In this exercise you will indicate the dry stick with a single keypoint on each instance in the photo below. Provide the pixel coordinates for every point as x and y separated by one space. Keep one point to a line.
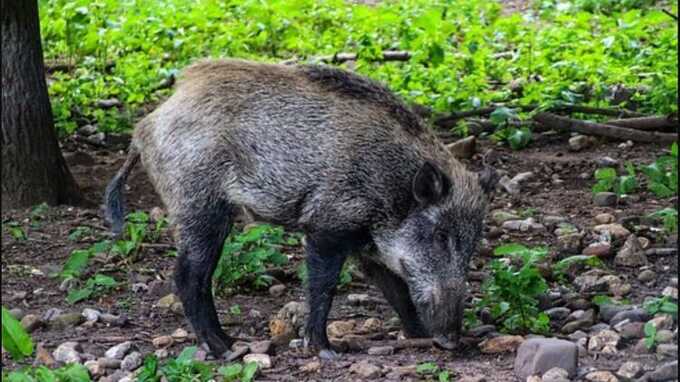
338 58
591 128
646 123
674 17
661 252
450 120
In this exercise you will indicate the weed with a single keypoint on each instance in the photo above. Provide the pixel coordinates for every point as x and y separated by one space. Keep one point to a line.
14 338
669 217
15 230
662 175
511 293
431 369
661 305
94 286
608 180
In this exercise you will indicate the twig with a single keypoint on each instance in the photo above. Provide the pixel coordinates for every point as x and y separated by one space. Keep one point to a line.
674 17
591 128
340 57
63 66
661 252
157 245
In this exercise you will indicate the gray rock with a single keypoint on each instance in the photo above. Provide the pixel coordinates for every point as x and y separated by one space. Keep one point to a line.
131 361
508 185
556 374
94 368
67 352
604 218
671 292
463 148
646 276
662 321
614 230
366 370
631 254
108 103
263 360
605 199
609 311
277 290
591 281
599 327
87 130
109 363
630 370
570 242
601 376
527 225
166 302
580 142
119 351
499 216
606 161
50 314
664 336
17 313
667 350
633 315
261 347
91 314
631 330
381 350
663 373
522 177
538 355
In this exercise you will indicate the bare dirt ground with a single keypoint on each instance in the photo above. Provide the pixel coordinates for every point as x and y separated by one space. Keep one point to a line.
560 186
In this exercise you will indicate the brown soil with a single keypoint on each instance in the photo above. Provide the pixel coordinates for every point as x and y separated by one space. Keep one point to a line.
27 264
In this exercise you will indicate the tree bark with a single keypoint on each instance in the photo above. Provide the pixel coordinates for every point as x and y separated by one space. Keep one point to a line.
33 169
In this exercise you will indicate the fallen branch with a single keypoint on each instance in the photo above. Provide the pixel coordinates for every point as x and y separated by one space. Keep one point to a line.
339 58
646 123
551 120
363 344
661 252
65 66
89 141
674 17
450 120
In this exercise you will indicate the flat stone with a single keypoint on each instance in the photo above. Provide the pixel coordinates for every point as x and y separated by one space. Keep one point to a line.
609 310
119 351
667 350
481 330
277 290
167 301
109 363
605 342
381 350
371 325
463 148
631 330
91 314
570 243
601 376
646 276
501 344
633 315
499 216
94 368
366 370
671 292
538 355
599 249
261 347
339 329
664 336
162 341
630 370
615 230
67 352
43 357
311 367
558 313
631 254
507 185
556 374
662 321
263 360
666 372
605 199
180 334
604 218
580 142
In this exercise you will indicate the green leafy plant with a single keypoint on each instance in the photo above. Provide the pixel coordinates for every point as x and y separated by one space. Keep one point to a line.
650 335
662 175
246 255
79 232
238 372
661 305
511 293
561 266
69 373
16 231
78 260
608 180
137 231
94 286
669 217
14 338
430 369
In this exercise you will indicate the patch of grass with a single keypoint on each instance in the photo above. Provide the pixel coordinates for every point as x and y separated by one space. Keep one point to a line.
465 54
609 180
94 286
15 230
511 293
669 217
70 373
430 370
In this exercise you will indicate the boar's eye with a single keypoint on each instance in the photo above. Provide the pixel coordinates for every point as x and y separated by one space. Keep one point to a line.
441 238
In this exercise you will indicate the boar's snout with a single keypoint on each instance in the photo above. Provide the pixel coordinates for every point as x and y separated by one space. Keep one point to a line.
448 303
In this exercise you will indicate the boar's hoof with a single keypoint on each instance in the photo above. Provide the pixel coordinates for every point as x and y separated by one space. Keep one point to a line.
329 355
443 342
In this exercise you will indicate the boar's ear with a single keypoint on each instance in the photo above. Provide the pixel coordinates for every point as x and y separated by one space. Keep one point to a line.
430 184
488 179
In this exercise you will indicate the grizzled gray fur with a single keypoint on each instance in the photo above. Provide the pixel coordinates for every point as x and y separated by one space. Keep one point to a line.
320 150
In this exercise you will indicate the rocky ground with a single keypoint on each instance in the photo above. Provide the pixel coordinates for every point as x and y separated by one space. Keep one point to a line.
545 199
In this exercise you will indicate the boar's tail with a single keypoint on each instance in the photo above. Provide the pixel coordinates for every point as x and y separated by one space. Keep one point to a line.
113 198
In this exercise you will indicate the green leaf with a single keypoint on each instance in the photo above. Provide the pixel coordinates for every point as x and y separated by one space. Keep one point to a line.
509 249
249 371
502 115
427 368
79 294
14 338
444 376
605 173
187 355
76 263
519 138
230 372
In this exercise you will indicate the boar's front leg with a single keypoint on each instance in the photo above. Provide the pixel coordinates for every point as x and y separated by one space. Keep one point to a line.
202 231
325 255
396 292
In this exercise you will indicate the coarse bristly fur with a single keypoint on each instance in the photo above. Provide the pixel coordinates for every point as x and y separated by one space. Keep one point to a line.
321 150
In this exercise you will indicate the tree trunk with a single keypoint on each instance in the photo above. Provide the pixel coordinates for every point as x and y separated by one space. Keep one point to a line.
33 169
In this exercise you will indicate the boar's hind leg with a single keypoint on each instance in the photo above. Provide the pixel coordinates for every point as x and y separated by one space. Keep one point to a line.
202 232
396 292
325 255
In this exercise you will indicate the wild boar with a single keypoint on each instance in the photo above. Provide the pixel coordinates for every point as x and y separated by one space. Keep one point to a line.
320 150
